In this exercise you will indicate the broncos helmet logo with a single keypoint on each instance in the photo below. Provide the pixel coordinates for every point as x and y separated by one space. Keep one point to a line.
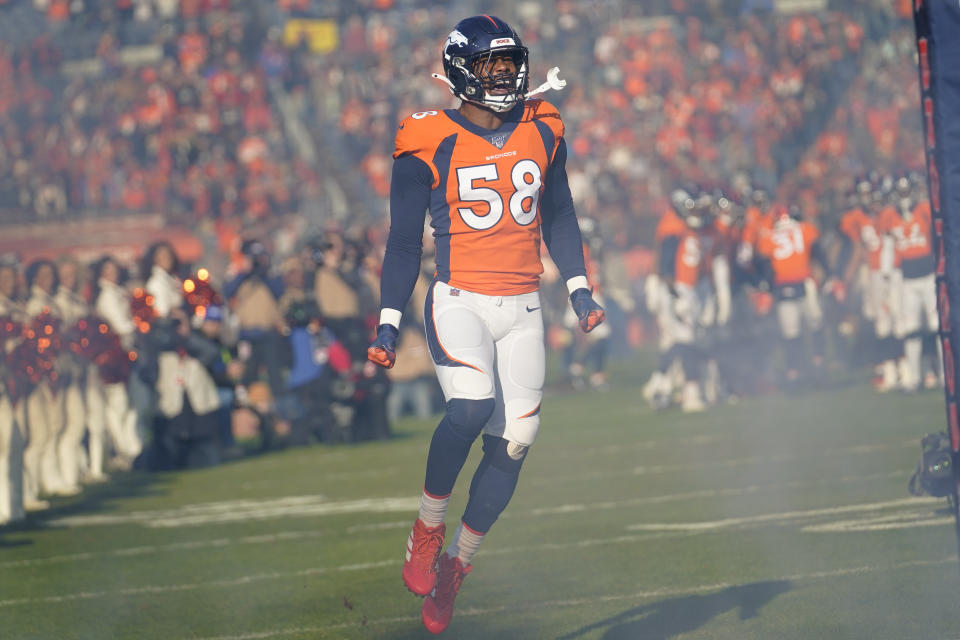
456 38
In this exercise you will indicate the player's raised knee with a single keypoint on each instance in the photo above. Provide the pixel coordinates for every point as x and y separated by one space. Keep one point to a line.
468 417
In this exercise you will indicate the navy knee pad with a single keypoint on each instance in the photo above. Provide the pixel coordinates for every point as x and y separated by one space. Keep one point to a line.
466 418
494 482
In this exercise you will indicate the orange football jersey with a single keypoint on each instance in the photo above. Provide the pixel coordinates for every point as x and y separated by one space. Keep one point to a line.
756 225
911 240
788 245
485 197
689 260
670 224
867 231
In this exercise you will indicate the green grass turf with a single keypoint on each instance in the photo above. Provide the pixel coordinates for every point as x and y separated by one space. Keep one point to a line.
590 546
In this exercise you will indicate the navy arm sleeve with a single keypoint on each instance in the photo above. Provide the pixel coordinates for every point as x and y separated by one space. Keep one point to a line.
844 255
668 257
410 187
818 254
561 233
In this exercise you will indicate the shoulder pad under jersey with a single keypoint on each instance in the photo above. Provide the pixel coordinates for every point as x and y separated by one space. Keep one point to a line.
543 111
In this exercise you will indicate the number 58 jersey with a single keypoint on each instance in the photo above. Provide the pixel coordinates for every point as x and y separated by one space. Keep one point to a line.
486 193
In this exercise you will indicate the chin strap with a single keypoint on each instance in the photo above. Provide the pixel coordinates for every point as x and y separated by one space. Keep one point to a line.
445 79
553 82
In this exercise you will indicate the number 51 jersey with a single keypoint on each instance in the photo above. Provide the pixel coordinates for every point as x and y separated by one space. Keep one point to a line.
486 193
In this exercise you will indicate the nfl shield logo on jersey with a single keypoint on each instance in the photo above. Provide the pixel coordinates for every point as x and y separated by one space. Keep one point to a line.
498 141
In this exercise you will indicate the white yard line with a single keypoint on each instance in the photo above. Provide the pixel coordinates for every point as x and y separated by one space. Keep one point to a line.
146 550
278 575
232 511
668 592
782 517
730 463
906 520
242 511
191 586
708 493
310 506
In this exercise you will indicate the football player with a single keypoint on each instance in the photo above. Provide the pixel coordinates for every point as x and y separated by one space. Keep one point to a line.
910 228
662 296
881 296
492 174
788 249
681 265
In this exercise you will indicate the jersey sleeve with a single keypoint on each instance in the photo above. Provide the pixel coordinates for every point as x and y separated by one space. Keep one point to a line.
417 137
560 229
849 225
409 198
669 224
888 220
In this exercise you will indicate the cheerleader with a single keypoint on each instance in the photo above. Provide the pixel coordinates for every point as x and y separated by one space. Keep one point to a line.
12 428
45 415
73 307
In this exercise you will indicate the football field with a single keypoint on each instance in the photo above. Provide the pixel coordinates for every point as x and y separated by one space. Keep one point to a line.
778 517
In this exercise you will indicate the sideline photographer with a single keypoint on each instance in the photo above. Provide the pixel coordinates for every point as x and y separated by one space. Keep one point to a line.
178 359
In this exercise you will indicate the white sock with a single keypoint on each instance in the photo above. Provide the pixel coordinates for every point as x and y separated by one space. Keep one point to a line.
433 510
464 544
913 353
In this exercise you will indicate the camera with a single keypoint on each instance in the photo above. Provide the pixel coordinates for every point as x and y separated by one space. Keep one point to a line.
934 473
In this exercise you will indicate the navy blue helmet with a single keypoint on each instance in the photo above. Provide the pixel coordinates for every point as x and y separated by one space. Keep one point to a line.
470 48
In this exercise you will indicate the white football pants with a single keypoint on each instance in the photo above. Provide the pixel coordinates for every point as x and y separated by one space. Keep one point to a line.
490 347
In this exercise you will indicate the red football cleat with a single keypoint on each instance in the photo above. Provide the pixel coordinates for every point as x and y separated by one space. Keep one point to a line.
423 547
437 609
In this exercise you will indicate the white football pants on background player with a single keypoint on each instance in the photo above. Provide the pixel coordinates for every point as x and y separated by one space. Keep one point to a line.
795 314
917 314
490 347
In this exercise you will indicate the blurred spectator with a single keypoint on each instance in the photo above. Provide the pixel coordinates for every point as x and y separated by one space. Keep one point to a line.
186 430
412 379
108 402
253 296
160 267
44 405
73 307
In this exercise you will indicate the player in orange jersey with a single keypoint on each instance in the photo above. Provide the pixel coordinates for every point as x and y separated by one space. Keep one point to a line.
658 390
884 283
870 264
916 310
683 266
788 250
492 174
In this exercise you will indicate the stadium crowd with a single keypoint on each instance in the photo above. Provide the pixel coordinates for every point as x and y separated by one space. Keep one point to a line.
148 365
705 138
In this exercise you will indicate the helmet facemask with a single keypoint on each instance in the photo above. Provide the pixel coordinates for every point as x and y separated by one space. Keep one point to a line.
496 91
